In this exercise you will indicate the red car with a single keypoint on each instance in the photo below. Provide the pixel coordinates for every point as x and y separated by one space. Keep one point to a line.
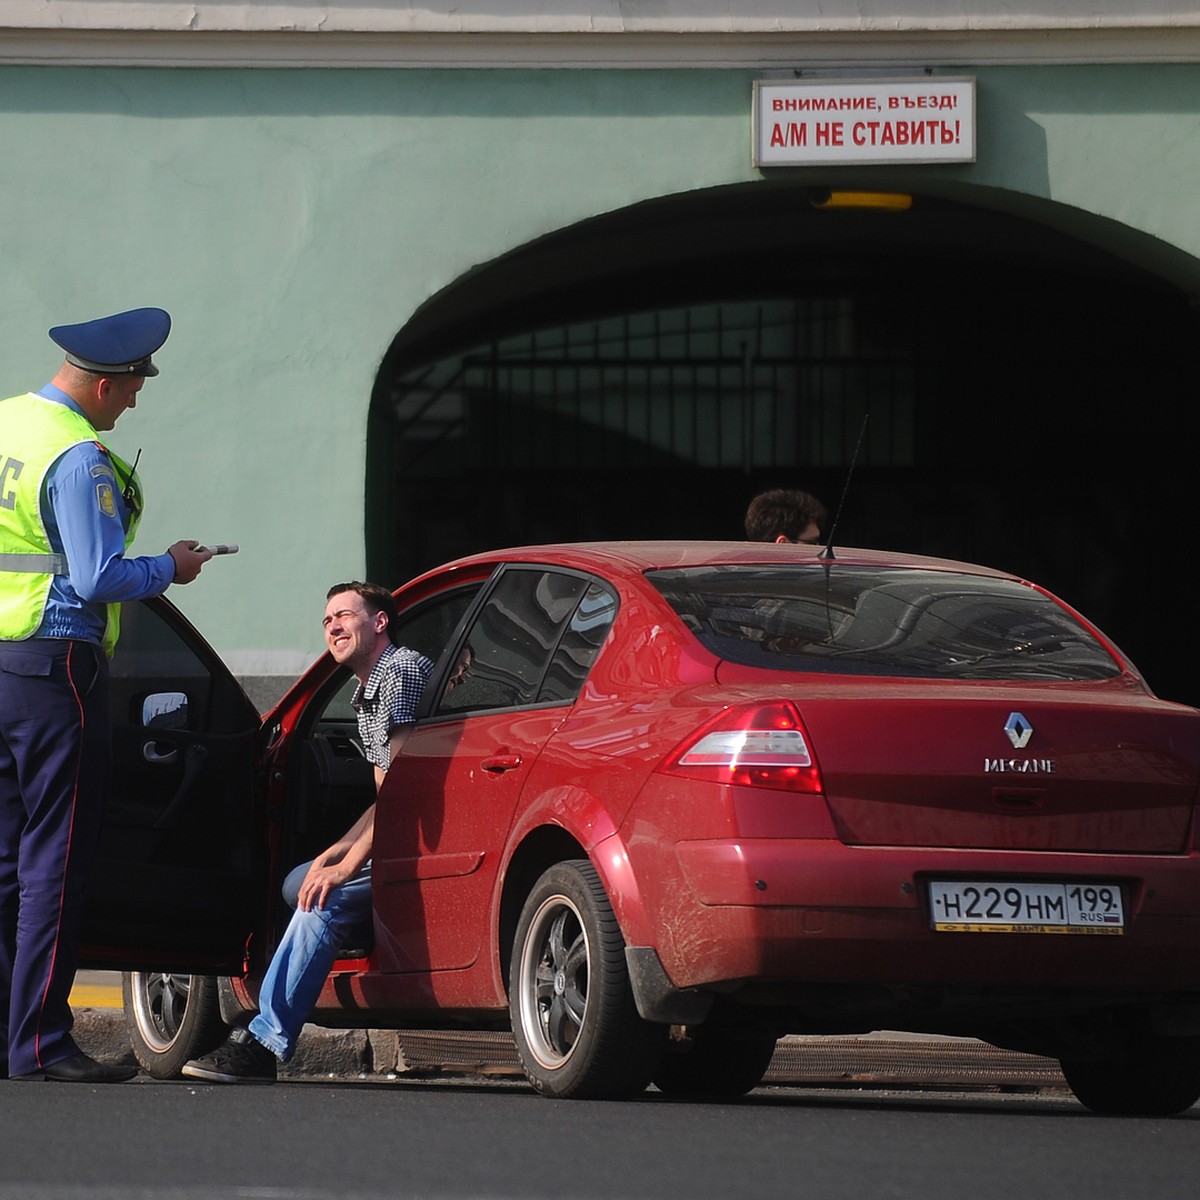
689 798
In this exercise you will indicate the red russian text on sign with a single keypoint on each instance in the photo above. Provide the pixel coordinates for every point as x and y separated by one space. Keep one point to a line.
815 122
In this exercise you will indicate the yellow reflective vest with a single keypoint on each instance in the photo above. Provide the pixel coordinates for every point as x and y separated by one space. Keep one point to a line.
34 433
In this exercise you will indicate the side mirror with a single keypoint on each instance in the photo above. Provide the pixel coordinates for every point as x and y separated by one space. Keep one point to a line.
165 710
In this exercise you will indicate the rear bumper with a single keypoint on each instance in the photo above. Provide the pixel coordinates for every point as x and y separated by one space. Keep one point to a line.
817 911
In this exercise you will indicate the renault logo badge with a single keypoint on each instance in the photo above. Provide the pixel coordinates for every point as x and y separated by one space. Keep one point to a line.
1019 730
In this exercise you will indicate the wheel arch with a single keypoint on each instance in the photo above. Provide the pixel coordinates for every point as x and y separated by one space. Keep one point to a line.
537 852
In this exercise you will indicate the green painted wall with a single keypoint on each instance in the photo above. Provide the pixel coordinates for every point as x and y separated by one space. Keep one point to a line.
292 221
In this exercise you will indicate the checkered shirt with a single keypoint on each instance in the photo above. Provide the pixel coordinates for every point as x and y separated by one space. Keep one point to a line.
389 698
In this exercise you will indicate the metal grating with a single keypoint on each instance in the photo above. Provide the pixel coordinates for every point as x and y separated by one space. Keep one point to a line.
749 386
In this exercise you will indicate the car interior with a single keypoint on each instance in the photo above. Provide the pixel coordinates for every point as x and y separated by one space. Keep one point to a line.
333 782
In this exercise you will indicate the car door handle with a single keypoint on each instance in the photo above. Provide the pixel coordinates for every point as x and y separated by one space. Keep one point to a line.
501 762
152 754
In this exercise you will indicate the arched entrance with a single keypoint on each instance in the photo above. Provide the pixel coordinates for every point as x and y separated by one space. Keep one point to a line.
1026 396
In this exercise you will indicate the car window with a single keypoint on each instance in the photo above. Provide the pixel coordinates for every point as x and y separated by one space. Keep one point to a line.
884 621
579 644
338 708
159 676
533 641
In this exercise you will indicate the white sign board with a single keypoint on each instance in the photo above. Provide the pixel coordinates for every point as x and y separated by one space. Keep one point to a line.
818 122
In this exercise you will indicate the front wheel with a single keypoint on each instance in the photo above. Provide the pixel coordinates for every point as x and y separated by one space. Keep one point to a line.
171 1019
1152 1076
577 1029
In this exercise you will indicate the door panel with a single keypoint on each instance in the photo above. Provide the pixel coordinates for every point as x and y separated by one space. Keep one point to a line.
175 881
444 814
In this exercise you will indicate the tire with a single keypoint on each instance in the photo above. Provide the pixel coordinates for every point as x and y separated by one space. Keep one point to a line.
715 1063
576 1027
1153 1077
171 1019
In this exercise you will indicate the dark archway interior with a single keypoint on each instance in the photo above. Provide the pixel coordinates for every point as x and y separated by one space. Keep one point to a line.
1029 397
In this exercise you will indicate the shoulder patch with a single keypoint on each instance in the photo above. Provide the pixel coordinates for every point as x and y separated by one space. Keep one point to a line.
104 499
102 471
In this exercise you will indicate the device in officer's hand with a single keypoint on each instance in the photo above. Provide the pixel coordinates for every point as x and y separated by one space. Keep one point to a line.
231 548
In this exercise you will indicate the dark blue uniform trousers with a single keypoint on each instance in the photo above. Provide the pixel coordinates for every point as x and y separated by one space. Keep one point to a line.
55 764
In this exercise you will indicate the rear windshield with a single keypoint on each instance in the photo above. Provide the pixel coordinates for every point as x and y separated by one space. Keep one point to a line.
857 620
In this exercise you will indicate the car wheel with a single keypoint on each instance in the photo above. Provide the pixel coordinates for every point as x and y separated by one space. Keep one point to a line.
714 1062
577 1029
171 1018
1154 1077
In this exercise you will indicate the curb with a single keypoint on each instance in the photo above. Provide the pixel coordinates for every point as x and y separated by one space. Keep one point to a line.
892 1061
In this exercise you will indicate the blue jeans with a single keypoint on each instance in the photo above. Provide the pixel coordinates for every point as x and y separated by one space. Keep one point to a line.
304 957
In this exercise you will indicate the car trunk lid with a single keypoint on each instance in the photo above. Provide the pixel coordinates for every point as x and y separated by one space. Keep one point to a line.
1088 768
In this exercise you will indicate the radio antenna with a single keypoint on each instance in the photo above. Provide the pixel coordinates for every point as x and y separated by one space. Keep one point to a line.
827 551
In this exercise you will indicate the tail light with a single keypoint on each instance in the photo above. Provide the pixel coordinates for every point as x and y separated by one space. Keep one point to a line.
761 745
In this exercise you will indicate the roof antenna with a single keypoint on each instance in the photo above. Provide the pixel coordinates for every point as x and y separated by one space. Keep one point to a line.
827 551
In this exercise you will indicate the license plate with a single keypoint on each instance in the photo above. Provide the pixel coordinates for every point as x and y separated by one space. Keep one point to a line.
998 907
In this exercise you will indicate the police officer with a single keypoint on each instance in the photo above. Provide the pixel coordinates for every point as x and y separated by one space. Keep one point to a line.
68 511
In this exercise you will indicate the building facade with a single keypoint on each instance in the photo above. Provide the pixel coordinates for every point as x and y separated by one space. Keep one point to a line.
448 278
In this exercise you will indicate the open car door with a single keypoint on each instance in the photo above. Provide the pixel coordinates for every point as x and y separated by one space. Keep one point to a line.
177 880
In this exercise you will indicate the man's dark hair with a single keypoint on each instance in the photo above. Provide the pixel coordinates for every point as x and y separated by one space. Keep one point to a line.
375 599
782 511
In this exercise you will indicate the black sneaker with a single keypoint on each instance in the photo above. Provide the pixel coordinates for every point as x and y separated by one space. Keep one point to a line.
242 1059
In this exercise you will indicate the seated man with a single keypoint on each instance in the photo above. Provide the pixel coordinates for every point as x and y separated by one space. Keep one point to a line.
331 894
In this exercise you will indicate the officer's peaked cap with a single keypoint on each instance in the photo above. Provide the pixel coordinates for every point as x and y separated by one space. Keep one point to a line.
117 345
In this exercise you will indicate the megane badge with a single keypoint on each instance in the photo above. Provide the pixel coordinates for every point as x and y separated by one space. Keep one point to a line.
1019 730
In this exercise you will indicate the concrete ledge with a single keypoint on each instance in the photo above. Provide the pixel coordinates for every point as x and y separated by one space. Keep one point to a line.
875 1061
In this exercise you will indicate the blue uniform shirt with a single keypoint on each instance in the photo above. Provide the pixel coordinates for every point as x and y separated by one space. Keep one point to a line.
94 544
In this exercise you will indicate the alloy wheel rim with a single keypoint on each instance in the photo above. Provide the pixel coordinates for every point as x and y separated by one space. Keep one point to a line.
554 973
160 1002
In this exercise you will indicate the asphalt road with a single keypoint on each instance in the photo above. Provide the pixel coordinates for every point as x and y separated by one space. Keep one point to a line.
458 1141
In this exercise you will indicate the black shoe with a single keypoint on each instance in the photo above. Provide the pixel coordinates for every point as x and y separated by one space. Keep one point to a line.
242 1059
79 1068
